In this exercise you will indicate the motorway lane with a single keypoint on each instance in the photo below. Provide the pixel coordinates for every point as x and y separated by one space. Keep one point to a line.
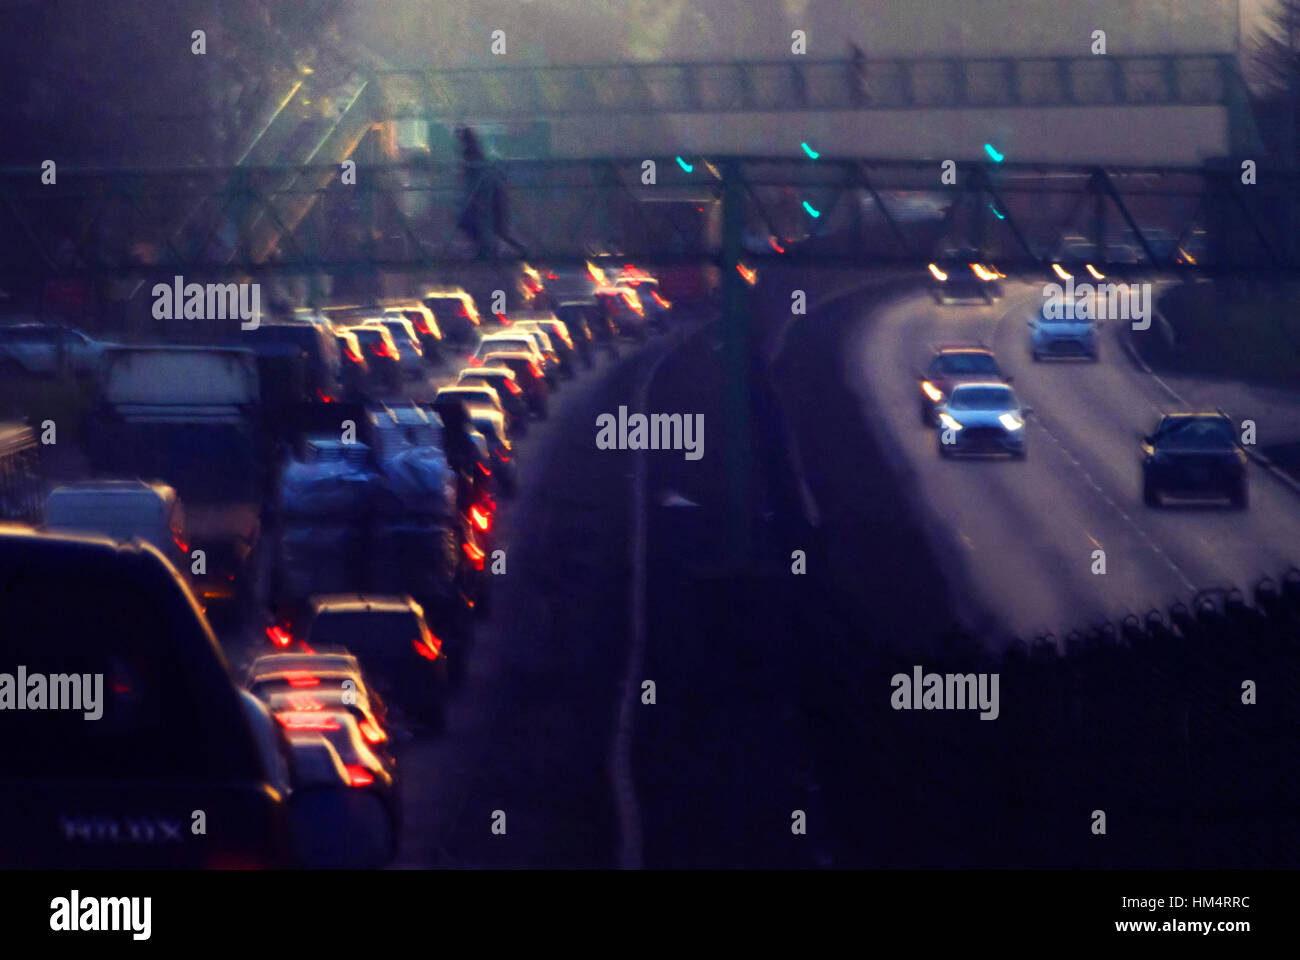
1017 537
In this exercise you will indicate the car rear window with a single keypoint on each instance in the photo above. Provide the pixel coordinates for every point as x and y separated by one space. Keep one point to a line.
165 706
978 363
372 634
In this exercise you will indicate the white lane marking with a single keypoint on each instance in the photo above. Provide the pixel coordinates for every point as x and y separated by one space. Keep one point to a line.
631 835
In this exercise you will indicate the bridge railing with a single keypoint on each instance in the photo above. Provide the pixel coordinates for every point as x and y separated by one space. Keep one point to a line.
799 83
411 216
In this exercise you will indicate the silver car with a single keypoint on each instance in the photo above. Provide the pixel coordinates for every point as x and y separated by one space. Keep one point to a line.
1061 337
982 418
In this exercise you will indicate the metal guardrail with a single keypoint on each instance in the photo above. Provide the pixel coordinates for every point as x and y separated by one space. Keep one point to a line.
800 84
832 211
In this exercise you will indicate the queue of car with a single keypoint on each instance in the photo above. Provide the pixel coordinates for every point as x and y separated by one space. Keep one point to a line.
366 573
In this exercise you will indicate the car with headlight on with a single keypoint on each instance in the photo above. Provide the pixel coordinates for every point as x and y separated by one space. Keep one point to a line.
1064 337
951 364
958 274
1194 456
983 417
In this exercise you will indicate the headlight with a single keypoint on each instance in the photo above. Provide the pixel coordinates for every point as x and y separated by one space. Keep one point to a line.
949 422
931 391
1010 421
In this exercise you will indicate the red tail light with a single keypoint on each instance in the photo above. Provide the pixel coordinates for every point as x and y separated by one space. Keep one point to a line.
371 732
660 300
359 776
514 387
293 720
474 361
422 325
184 547
353 355
424 650
325 397
381 350
486 471
534 369
302 678
279 636
505 321
481 520
475 555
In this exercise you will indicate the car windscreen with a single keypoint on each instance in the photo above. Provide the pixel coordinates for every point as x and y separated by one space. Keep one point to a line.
370 634
982 398
964 363
1203 434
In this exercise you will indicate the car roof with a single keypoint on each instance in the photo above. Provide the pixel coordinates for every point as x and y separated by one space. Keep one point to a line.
1194 415
361 603
972 385
157 488
942 348
486 371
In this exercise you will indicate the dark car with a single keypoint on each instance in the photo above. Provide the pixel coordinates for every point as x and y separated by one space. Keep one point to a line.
169 735
455 312
388 635
324 359
356 369
506 383
427 331
1194 455
528 375
382 355
949 366
581 317
561 339
957 275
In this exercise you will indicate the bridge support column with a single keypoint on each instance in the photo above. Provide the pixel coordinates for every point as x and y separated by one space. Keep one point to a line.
736 357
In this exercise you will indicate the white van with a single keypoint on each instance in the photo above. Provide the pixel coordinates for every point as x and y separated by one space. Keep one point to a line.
122 510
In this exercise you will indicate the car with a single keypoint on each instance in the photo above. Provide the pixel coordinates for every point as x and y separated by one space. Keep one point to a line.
382 354
492 425
508 341
356 374
471 395
37 349
658 309
389 636
122 510
558 356
171 732
957 274
560 284
982 417
323 374
455 312
505 382
315 762
424 325
410 353
624 310
561 338
950 365
367 713
1194 455
1061 337
581 318
528 375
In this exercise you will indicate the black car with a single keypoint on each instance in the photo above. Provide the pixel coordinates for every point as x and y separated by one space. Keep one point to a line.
1194 455
506 383
388 635
580 317
527 375
323 376
154 731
